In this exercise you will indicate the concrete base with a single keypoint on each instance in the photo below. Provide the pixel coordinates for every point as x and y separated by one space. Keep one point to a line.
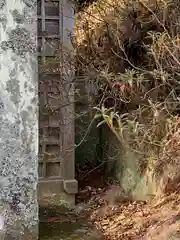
49 186
2 234
51 192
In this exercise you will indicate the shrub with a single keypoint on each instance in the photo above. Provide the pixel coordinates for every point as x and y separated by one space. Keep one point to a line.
131 50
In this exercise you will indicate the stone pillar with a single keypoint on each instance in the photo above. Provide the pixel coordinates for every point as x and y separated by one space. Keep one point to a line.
18 120
68 112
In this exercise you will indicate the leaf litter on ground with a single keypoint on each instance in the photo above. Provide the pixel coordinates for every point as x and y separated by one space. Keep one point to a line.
118 218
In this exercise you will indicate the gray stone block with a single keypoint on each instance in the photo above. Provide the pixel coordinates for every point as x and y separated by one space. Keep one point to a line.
71 186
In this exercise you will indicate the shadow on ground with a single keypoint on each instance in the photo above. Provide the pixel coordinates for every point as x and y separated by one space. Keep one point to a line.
64 224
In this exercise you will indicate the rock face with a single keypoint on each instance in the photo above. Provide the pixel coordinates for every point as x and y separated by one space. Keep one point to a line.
19 119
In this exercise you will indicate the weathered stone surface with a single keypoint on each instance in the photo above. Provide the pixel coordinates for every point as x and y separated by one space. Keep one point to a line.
71 186
19 119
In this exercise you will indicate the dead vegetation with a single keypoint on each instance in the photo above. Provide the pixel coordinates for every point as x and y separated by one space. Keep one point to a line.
117 217
138 220
131 49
